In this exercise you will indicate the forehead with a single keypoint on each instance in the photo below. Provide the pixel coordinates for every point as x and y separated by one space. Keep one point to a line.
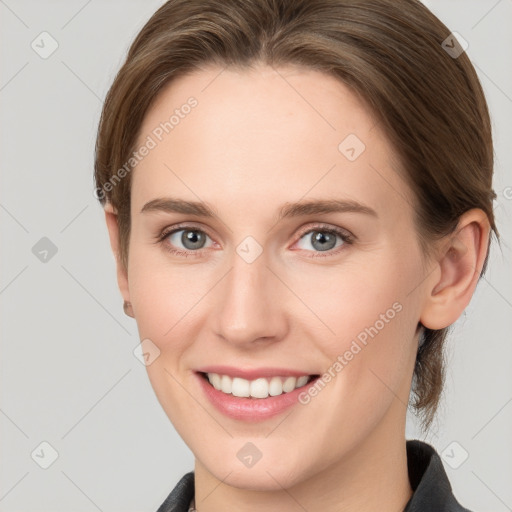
263 136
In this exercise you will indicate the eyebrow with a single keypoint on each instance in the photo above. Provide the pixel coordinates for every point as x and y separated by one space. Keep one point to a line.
288 210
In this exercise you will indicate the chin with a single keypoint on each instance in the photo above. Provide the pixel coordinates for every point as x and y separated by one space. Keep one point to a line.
272 474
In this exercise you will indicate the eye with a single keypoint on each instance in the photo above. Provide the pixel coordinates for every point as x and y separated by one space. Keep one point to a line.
184 240
323 239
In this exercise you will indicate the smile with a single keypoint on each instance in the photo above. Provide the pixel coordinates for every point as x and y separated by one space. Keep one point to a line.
253 394
258 388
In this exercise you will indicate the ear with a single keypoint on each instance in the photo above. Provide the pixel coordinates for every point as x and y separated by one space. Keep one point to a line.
113 233
459 265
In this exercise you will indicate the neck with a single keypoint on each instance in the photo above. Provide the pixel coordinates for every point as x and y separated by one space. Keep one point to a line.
372 476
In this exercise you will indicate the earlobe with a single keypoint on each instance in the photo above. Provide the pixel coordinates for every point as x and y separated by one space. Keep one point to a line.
113 233
459 265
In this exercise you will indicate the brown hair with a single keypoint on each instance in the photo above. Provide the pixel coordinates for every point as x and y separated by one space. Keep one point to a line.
389 52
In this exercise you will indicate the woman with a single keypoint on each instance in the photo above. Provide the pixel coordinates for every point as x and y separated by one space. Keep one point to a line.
299 197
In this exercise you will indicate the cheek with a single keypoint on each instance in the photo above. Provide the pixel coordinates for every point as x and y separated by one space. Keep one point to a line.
371 318
163 297
354 299
163 294
370 353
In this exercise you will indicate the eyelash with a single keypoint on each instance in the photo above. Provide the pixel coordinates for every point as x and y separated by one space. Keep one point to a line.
345 236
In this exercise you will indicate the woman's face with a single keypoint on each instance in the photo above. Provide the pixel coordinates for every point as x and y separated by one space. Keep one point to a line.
250 289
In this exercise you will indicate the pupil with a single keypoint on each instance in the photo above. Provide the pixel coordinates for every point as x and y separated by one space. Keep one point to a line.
192 239
327 240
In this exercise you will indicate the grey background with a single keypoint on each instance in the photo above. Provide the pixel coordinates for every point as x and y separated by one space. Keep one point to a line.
68 373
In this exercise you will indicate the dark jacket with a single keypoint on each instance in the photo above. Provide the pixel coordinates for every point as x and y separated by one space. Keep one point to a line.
432 491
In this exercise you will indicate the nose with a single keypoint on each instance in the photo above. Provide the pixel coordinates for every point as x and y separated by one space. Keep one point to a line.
250 305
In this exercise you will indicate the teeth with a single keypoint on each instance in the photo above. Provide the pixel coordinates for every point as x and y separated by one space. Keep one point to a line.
226 384
241 387
259 388
289 384
302 381
215 380
276 386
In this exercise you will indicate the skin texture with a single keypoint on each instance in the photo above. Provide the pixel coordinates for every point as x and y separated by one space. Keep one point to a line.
258 139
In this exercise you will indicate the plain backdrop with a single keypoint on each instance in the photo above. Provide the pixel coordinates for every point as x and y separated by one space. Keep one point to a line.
69 378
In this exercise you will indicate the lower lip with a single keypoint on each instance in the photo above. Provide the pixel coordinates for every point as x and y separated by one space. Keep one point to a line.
251 409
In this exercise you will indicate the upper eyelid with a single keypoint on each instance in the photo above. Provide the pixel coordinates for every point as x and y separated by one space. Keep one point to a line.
173 229
325 227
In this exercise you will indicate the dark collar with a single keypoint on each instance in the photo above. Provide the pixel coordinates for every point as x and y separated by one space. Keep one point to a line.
429 482
431 489
181 496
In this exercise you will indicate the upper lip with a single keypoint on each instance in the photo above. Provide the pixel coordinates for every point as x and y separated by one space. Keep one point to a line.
253 373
